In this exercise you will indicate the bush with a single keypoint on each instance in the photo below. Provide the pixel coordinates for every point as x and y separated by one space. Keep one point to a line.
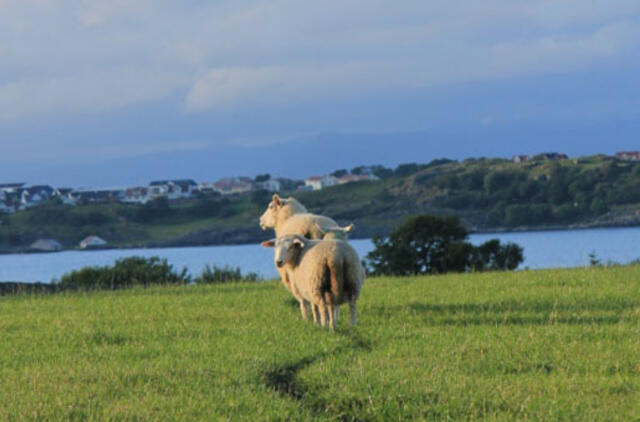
225 274
126 272
429 245
491 255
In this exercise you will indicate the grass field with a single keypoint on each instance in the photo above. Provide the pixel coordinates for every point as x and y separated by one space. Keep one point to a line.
537 345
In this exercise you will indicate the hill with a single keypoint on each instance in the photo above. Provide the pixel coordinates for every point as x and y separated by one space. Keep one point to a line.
487 194
537 345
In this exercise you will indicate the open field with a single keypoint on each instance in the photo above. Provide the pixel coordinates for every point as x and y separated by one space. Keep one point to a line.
537 345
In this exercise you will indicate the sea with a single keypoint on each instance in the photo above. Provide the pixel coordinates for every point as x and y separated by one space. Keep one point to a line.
542 249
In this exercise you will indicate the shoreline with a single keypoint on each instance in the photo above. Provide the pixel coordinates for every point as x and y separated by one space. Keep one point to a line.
187 244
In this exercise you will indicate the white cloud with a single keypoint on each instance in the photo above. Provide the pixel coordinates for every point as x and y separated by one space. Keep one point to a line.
78 56
277 85
85 92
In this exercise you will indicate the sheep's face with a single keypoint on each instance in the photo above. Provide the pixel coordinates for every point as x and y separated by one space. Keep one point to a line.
286 249
279 206
269 217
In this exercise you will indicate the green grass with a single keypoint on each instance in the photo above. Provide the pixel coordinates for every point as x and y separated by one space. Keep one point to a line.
536 345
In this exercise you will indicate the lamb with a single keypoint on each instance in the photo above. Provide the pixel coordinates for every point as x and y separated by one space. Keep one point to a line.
327 273
287 216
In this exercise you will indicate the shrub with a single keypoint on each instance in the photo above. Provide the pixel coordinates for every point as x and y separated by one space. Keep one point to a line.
126 272
225 274
491 255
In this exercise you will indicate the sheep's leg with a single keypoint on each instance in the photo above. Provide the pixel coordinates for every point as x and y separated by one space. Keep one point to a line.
332 314
303 309
352 308
308 308
323 313
316 314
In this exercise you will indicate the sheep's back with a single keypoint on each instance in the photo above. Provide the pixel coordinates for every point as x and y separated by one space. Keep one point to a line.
324 259
307 225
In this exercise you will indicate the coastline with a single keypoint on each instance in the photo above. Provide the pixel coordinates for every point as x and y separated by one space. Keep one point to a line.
247 237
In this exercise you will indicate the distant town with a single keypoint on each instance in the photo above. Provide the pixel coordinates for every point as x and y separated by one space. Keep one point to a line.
16 197
532 205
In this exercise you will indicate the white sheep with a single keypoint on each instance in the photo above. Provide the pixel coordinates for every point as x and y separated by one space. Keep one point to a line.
287 216
326 273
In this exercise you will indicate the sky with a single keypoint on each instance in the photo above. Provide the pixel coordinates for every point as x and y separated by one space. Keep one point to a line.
117 92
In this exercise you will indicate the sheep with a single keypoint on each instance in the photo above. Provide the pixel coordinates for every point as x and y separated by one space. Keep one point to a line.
327 273
287 216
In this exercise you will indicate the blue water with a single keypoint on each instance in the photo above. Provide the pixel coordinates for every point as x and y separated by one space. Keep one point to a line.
549 249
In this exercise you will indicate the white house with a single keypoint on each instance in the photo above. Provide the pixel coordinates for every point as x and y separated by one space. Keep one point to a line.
10 187
35 195
349 178
173 189
136 195
628 155
66 196
233 185
93 242
272 185
320 182
520 158
46 245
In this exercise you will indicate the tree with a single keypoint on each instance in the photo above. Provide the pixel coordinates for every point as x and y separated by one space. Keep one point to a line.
418 246
262 177
428 244
496 181
339 173
598 206
407 169
491 255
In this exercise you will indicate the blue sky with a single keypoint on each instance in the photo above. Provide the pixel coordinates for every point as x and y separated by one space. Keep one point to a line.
116 92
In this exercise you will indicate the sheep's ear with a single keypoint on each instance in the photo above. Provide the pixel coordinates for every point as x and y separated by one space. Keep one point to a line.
298 242
269 243
276 199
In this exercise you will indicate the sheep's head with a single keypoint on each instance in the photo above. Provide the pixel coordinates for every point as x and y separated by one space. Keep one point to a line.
279 207
286 249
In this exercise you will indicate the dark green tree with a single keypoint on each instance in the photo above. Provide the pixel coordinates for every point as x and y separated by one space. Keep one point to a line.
418 246
491 255
340 173
428 244
407 169
262 177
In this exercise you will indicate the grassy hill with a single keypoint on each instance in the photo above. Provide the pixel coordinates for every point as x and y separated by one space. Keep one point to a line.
487 194
536 345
